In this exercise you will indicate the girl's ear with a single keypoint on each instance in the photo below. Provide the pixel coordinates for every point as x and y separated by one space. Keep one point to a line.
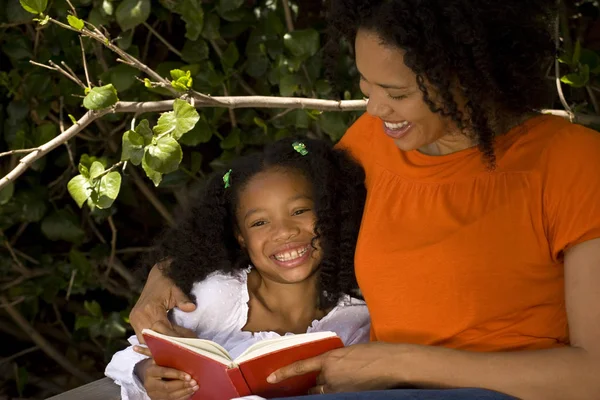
240 238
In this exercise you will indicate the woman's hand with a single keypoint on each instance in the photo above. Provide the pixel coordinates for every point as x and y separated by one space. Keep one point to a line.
163 383
350 369
159 296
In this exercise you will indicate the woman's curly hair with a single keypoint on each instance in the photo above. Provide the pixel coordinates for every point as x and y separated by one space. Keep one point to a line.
494 53
204 241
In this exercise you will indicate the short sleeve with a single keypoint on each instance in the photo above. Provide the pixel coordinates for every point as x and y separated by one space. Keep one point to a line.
221 306
357 140
121 369
571 188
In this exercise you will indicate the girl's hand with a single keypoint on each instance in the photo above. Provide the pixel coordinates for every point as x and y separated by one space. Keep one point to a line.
350 369
164 383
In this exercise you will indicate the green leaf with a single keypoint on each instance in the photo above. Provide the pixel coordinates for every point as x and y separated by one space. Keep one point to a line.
230 56
96 169
156 177
289 85
100 97
6 193
108 190
72 118
133 147
578 79
212 24
333 124
177 122
122 77
229 5
80 189
84 322
131 13
97 18
576 53
107 7
201 133
192 14
164 156
62 225
75 22
93 308
44 133
22 378
196 162
34 6
302 43
182 80
194 51
232 140
261 123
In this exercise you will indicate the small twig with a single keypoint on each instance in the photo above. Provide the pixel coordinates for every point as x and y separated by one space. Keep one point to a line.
135 250
237 76
42 343
18 265
561 95
16 237
113 245
149 194
95 229
100 57
60 320
593 99
13 303
71 281
18 151
85 68
55 67
26 256
19 354
163 40
231 111
73 10
288 15
111 169
281 114
13 24
23 278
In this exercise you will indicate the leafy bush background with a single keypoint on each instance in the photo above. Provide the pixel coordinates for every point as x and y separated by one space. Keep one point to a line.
68 271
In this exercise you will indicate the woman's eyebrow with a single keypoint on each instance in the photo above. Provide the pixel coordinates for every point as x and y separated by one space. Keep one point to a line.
384 85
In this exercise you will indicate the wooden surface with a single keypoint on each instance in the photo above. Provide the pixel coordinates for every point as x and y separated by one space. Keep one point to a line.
103 389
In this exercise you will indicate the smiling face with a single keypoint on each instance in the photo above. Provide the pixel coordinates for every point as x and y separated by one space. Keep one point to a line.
395 98
276 221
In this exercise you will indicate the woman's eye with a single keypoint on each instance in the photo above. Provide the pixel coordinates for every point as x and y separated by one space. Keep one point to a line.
401 97
258 223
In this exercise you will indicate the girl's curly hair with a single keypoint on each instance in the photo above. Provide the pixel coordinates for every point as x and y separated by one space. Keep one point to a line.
203 241
494 53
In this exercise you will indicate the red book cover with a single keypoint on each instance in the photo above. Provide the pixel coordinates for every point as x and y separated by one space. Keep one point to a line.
226 379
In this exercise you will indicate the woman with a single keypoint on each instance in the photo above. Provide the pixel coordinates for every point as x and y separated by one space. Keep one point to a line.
479 250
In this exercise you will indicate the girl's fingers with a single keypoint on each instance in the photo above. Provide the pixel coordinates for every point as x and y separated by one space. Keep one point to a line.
142 350
183 394
156 371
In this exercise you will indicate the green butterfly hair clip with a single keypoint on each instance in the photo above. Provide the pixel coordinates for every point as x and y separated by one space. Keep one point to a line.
226 179
300 148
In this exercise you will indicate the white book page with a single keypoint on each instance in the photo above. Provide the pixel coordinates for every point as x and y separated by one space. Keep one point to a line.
272 345
207 348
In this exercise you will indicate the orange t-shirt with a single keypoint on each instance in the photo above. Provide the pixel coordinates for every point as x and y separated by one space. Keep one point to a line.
455 255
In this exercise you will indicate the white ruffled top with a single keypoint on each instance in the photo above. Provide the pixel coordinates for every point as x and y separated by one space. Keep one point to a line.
220 315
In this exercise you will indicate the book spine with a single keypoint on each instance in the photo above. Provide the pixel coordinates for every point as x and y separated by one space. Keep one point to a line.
237 379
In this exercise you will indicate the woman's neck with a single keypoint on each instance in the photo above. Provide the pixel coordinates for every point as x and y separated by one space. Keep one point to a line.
282 307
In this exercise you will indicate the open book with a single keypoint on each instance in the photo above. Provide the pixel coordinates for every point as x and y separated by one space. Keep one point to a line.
221 378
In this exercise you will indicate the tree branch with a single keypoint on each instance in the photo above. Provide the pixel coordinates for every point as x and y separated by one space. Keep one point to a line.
42 343
163 40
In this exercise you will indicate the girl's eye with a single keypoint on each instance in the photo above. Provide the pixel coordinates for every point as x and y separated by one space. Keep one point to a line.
258 223
298 212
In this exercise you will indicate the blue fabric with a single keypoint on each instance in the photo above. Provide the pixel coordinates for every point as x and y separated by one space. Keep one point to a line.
411 394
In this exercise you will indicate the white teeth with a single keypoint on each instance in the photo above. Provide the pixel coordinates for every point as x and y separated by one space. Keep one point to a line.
392 126
290 255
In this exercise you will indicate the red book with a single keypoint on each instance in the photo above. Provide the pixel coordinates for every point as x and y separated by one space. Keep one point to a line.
221 378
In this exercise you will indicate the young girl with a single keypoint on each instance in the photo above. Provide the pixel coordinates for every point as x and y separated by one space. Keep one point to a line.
267 250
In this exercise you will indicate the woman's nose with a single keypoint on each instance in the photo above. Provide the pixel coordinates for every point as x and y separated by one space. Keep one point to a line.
378 108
